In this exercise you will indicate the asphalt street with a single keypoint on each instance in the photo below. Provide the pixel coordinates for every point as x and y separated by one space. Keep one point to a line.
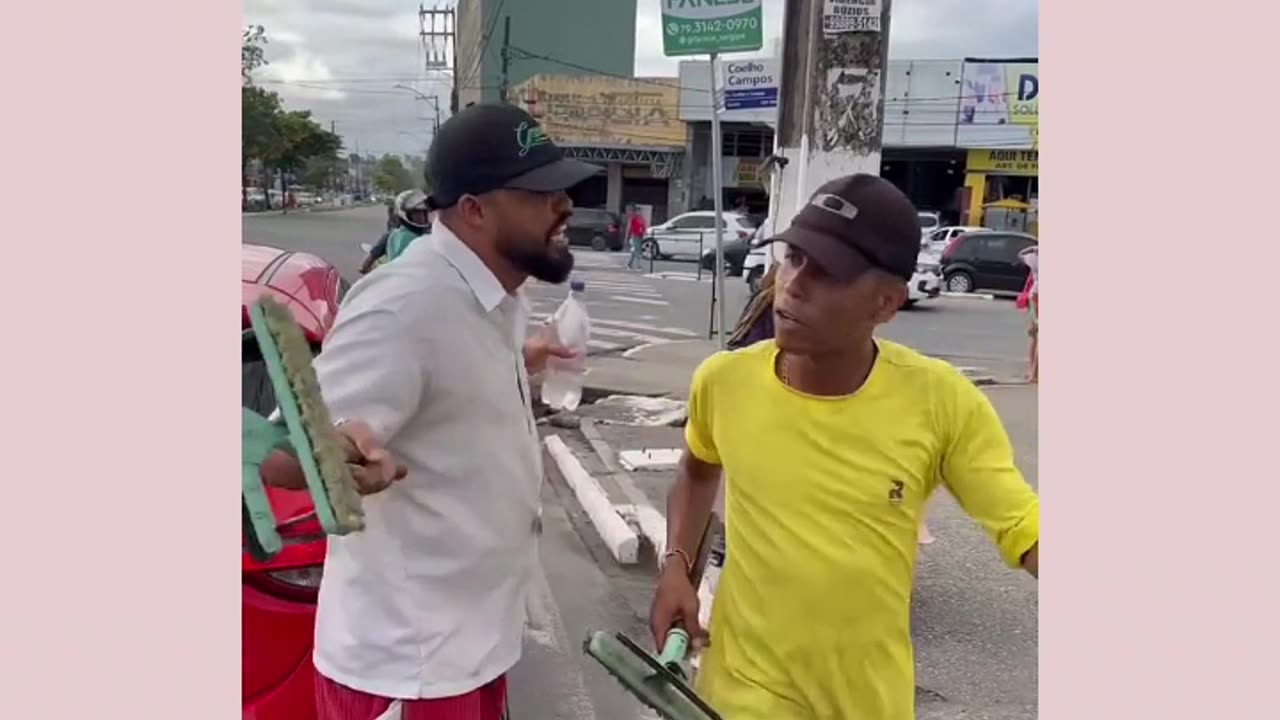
630 308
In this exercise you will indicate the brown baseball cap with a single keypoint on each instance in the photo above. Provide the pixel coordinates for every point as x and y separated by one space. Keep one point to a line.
855 222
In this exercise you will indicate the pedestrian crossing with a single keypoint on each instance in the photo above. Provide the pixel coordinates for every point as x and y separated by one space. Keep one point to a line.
625 307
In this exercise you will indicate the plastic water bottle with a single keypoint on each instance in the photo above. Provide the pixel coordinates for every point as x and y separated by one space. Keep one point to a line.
562 380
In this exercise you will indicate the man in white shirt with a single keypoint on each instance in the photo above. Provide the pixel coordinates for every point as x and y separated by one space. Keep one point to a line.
421 615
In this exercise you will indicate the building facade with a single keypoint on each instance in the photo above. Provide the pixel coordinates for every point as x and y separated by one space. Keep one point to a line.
747 124
630 127
958 134
596 37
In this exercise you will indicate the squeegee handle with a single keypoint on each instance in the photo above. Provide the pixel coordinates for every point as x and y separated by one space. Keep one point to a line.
675 648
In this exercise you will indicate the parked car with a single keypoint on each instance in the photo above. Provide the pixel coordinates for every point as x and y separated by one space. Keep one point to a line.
986 261
595 227
735 254
278 597
926 283
938 240
929 221
690 234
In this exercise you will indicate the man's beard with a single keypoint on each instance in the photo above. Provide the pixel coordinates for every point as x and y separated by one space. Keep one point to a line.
546 260
551 265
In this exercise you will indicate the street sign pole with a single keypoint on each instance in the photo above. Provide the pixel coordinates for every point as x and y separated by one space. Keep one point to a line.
713 28
717 188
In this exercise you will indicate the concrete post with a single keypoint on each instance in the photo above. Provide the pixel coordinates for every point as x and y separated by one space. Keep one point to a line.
831 113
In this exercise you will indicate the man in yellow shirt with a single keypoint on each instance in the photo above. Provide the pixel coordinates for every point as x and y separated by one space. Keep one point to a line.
831 441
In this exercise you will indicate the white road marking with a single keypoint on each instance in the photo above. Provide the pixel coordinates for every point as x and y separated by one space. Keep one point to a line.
645 301
640 337
643 326
604 345
680 275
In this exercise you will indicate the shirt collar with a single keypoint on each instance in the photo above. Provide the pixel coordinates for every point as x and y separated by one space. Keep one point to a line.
483 283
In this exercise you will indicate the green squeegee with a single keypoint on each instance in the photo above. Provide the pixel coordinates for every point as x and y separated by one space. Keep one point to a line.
661 681
307 433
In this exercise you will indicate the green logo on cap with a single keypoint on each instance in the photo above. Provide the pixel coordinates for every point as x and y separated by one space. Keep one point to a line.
529 137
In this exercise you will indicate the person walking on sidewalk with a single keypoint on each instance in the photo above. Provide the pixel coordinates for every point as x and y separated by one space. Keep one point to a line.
635 237
421 615
1029 300
831 441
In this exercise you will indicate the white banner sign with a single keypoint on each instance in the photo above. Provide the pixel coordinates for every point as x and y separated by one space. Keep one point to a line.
842 16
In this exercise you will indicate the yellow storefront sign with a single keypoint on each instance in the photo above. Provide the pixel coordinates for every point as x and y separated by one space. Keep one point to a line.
1022 82
747 174
1004 162
604 111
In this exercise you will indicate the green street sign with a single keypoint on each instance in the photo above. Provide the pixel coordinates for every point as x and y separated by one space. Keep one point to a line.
703 27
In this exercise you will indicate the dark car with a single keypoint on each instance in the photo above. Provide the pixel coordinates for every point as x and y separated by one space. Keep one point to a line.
595 227
735 253
985 261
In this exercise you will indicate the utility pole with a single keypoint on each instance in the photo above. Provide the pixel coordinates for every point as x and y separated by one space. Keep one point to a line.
437 28
835 57
506 59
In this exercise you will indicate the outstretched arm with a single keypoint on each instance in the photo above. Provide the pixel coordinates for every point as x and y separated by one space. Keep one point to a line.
373 468
979 469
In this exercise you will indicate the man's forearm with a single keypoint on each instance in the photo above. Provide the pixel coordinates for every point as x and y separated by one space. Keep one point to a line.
689 504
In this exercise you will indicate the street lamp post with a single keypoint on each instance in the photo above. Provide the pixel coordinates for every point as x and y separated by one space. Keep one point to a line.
433 100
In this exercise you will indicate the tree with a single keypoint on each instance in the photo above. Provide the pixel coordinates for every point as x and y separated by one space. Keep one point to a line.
252 42
258 137
417 168
283 141
320 172
301 138
390 176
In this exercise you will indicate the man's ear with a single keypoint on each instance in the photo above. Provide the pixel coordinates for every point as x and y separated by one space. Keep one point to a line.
470 210
890 296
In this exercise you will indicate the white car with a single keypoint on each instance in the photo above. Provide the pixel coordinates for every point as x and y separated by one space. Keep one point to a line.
690 234
926 283
929 221
938 240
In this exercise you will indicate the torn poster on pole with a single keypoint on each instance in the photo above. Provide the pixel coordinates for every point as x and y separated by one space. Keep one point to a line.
842 16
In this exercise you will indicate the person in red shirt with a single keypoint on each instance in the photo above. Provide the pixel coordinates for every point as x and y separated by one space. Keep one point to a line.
635 236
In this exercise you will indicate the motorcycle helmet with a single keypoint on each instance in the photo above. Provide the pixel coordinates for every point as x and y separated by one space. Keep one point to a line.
412 211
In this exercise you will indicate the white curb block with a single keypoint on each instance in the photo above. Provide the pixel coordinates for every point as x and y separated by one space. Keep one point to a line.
652 525
622 541
969 296
646 459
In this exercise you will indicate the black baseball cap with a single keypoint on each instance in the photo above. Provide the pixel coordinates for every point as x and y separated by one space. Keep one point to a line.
854 222
492 146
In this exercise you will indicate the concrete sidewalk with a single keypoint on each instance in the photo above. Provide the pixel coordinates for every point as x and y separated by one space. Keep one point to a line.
665 369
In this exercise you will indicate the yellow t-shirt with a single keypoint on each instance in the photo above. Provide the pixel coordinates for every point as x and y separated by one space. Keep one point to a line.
823 498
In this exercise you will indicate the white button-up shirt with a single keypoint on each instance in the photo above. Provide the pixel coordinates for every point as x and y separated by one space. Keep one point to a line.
429 600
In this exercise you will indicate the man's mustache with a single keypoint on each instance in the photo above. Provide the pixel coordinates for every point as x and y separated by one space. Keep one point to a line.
560 220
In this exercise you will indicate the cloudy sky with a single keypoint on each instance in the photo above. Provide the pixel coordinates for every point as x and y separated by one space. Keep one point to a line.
343 58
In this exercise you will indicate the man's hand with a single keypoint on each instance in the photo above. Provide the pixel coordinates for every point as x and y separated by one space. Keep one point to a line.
1031 561
675 604
542 346
372 467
